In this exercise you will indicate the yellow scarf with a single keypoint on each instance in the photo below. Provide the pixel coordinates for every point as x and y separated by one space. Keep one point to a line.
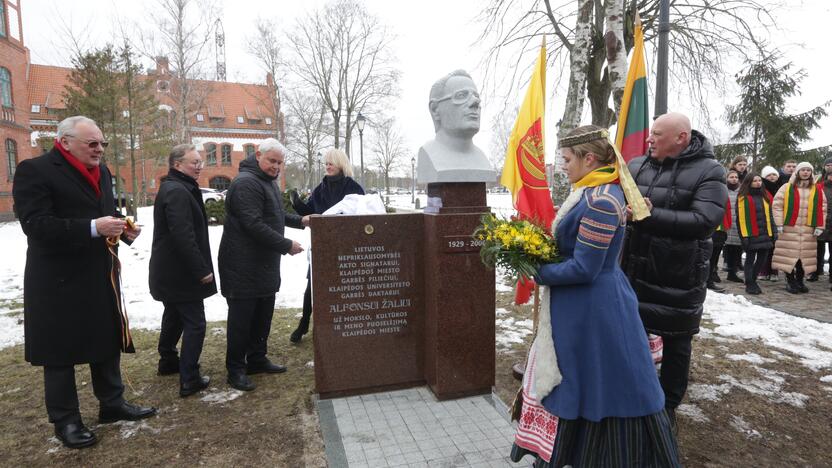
602 175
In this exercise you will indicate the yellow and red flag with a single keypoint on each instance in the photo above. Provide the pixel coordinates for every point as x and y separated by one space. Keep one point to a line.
524 172
633 120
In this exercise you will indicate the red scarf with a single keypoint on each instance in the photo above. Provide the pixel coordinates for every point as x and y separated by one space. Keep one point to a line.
93 176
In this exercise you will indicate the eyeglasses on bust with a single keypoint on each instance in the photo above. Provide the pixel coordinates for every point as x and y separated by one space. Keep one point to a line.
460 96
91 143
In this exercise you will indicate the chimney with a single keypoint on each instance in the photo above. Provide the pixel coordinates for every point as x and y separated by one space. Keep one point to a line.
270 80
162 67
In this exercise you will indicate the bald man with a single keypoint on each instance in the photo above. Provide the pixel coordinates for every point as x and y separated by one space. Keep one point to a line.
667 255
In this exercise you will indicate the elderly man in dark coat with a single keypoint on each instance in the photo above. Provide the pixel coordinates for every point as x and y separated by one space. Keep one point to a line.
249 261
71 309
667 255
181 270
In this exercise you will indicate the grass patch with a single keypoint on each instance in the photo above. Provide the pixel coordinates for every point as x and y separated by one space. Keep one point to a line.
275 425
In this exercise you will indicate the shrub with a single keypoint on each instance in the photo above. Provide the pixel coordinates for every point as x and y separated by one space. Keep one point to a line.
216 212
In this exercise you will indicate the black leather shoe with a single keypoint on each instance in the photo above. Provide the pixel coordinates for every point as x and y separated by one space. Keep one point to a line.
753 288
168 367
125 412
190 388
734 278
266 367
713 287
75 435
296 336
812 277
241 382
802 287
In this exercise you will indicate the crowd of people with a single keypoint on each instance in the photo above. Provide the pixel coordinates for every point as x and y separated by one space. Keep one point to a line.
73 309
780 220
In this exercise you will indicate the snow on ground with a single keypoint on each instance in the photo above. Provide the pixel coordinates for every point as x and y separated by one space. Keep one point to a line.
218 397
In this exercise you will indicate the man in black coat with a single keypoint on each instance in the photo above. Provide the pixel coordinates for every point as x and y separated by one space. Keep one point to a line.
249 261
71 310
181 270
667 255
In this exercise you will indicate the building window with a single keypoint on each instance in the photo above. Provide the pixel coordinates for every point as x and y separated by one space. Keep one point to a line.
5 87
240 119
219 183
11 154
226 155
200 118
36 108
268 120
249 149
2 19
210 154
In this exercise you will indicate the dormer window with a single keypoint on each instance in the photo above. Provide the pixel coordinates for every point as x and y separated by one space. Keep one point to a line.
36 108
240 119
268 120
200 118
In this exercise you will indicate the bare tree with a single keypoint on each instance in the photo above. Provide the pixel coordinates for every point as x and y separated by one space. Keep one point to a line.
703 34
501 126
389 148
343 52
183 34
265 45
306 133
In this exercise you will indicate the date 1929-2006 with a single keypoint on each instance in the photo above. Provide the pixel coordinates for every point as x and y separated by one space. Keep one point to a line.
461 244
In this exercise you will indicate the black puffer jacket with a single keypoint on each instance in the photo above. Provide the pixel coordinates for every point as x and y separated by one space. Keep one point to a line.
667 255
327 194
762 241
252 238
181 253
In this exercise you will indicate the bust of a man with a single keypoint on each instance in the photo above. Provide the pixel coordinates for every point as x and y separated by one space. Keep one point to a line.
451 156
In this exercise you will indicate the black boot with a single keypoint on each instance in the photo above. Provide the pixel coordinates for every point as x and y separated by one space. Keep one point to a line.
752 288
302 329
791 284
732 276
801 286
812 277
713 287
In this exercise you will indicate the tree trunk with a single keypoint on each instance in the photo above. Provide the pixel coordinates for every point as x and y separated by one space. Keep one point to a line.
578 62
616 52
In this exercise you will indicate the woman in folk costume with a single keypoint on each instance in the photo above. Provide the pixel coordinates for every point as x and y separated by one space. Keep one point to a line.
771 182
590 364
733 246
719 237
825 239
756 227
799 210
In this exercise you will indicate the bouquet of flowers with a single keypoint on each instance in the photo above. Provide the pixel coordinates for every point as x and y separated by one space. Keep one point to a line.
519 246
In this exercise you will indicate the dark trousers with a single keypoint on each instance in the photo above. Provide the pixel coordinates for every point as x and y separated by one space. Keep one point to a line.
185 319
733 258
62 394
719 242
675 368
249 324
754 262
303 325
822 253
767 270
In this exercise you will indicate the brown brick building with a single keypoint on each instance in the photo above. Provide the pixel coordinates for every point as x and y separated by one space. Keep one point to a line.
233 120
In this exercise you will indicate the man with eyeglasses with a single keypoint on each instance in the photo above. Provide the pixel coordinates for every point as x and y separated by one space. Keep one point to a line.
71 310
181 269
451 156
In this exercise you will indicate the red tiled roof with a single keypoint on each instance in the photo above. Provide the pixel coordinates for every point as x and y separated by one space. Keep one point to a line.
224 100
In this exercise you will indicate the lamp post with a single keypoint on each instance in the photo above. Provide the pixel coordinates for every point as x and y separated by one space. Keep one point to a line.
413 181
305 176
320 174
661 60
360 120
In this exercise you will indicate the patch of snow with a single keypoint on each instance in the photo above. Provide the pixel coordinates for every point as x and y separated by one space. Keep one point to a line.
826 378
750 357
56 445
501 311
693 412
218 331
310 364
130 428
772 388
511 331
743 427
708 356
707 392
219 397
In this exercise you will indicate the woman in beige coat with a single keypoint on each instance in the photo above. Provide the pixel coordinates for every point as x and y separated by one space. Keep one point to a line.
796 247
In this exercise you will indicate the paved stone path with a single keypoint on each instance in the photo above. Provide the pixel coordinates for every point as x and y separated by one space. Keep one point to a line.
816 304
410 428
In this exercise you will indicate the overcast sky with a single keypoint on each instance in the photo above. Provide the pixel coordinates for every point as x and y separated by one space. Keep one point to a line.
433 37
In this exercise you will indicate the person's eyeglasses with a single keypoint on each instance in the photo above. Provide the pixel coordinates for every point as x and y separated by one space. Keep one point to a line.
461 96
91 143
197 163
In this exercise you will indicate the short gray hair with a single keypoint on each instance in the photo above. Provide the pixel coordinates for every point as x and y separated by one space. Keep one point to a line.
68 124
270 144
178 153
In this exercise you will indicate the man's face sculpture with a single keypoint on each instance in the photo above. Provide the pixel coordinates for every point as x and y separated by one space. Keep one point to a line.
459 108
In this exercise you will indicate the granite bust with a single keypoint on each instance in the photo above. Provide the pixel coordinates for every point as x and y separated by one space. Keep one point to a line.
451 155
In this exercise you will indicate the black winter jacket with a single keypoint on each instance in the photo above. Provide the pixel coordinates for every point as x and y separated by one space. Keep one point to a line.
827 193
666 257
252 238
181 253
327 194
762 241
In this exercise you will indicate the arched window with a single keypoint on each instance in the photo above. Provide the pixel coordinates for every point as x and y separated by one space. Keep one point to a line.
226 155
11 154
249 149
210 154
219 183
5 87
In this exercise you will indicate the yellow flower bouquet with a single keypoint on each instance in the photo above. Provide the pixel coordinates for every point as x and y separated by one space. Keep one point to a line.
519 246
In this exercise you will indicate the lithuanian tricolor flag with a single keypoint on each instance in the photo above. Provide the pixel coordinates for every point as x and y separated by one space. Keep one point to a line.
633 120
524 172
